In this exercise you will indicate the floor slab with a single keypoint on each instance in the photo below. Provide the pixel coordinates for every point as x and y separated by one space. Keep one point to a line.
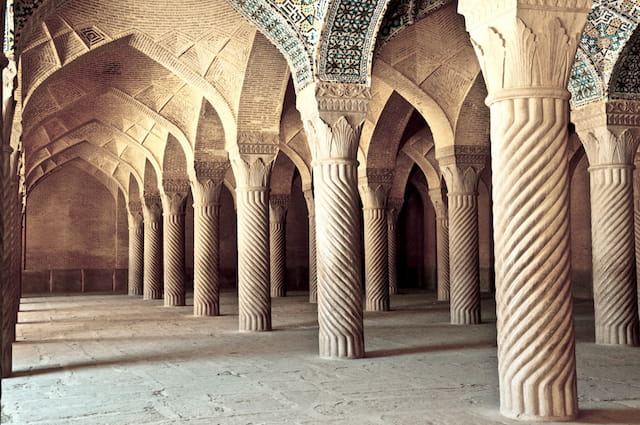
119 360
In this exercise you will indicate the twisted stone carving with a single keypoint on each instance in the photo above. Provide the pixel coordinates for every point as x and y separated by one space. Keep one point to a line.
462 181
206 222
614 280
173 203
442 242
152 210
526 55
394 205
376 256
136 248
313 271
254 297
10 217
277 214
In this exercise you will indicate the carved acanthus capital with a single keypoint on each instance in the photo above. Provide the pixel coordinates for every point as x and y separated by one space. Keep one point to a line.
374 195
439 203
394 206
525 43
135 214
606 147
278 207
251 172
461 165
332 114
152 208
206 191
462 179
174 202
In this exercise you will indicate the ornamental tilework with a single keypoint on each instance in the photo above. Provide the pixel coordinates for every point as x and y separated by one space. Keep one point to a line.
626 78
609 26
346 44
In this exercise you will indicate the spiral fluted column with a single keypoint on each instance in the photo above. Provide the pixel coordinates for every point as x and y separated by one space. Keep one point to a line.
206 191
152 211
610 157
252 198
313 271
332 115
136 248
394 205
526 55
461 174
277 215
173 206
376 255
442 242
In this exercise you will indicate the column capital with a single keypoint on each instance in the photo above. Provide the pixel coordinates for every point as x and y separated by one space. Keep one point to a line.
135 214
174 194
525 43
461 166
607 147
278 205
374 195
152 207
332 114
206 191
439 203
394 206
252 171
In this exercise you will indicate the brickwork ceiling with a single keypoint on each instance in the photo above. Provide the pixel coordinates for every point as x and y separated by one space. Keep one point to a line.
127 78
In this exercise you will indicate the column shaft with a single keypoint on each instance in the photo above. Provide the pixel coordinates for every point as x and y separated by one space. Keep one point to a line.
313 271
136 257
442 245
254 300
614 280
536 342
339 252
376 259
392 249
464 265
206 274
152 289
174 273
278 258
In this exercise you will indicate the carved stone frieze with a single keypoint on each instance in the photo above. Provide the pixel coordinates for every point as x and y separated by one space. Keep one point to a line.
380 175
211 169
474 155
175 185
342 97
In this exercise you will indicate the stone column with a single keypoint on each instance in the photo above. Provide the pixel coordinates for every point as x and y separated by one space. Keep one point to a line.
442 242
461 166
152 213
206 189
173 206
394 206
526 52
313 271
277 214
332 114
252 197
636 220
136 248
376 255
610 151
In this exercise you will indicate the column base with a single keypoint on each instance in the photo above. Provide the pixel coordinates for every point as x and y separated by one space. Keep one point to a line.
623 335
205 310
377 305
135 292
254 324
278 292
341 348
153 295
174 301
533 418
393 291
465 318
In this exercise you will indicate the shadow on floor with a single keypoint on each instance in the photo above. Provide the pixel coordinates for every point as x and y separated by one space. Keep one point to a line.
428 349
609 416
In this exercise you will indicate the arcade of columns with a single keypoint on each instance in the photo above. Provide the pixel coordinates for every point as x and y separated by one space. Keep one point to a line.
525 50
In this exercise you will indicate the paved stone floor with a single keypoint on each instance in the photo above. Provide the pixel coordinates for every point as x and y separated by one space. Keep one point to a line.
124 361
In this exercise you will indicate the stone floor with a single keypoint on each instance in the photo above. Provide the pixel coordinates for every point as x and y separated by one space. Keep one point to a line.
124 361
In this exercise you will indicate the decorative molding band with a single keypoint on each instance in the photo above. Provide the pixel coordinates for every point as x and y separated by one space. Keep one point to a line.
211 169
175 185
473 155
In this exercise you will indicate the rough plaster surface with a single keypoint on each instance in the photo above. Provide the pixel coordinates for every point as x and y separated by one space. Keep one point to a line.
118 360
